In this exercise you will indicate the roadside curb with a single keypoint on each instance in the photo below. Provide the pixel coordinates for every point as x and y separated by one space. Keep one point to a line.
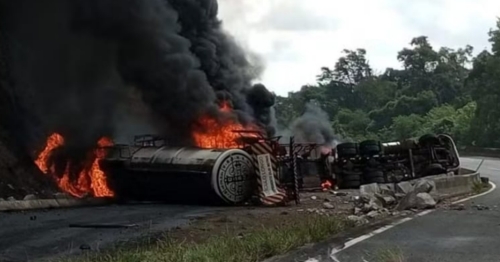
456 185
20 205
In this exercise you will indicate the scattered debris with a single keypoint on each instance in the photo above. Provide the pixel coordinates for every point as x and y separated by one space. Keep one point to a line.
336 193
359 220
327 205
395 213
425 186
419 195
425 201
85 247
457 207
369 189
386 200
387 189
373 214
30 197
404 188
481 207
314 197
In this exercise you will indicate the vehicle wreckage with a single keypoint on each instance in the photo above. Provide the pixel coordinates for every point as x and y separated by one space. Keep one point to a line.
371 161
150 169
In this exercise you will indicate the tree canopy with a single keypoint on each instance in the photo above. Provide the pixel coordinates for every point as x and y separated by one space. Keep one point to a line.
436 91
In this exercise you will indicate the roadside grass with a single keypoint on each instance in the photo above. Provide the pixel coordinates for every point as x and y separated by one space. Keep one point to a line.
256 245
390 255
479 187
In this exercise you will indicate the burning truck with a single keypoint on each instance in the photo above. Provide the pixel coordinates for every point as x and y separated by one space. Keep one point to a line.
372 161
150 169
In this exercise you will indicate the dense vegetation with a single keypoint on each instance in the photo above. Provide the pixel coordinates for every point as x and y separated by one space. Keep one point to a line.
436 91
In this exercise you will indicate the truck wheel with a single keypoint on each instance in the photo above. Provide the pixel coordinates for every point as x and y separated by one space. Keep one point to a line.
369 147
375 176
351 179
347 149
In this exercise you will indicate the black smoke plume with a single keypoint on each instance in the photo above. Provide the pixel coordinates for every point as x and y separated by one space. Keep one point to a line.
314 127
76 62
93 68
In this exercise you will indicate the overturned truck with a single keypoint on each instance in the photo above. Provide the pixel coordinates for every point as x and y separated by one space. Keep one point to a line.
375 162
153 170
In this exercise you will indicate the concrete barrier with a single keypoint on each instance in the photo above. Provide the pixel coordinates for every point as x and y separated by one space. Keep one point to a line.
455 185
18 205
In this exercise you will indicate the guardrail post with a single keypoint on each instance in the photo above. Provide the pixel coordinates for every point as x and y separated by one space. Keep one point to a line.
480 164
293 156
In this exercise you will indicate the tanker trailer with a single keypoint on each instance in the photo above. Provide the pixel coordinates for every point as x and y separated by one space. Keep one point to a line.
180 174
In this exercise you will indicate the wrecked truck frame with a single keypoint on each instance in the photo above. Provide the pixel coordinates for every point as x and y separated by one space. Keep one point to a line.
375 162
150 169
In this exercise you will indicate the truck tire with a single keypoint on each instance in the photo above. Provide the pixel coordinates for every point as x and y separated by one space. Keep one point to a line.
374 176
369 148
347 149
351 179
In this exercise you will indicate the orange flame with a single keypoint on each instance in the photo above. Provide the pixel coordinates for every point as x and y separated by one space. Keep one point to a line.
327 185
215 134
91 180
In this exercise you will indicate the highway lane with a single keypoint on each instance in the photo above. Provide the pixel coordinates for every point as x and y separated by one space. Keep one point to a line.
46 234
443 235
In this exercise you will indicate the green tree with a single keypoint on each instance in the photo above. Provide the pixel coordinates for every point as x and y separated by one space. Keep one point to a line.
407 126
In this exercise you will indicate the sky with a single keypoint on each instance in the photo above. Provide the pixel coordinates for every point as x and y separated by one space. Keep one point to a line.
295 38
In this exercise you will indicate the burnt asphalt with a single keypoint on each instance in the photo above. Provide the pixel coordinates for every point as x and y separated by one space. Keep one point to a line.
443 235
34 236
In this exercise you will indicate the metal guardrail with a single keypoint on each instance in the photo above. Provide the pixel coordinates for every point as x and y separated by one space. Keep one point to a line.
479 151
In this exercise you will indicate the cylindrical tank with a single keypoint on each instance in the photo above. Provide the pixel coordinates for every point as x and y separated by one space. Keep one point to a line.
398 147
182 175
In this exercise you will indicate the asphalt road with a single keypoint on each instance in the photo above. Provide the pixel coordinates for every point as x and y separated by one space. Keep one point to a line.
442 235
31 236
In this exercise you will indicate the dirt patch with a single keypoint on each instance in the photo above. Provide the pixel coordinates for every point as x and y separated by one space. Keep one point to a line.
240 221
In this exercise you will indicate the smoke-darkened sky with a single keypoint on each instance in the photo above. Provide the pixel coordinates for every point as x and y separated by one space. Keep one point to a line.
295 38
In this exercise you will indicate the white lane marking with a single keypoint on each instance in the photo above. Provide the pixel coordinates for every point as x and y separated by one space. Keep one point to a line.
354 241
493 187
359 239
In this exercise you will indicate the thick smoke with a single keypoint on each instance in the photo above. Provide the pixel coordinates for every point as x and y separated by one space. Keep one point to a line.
313 127
92 68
